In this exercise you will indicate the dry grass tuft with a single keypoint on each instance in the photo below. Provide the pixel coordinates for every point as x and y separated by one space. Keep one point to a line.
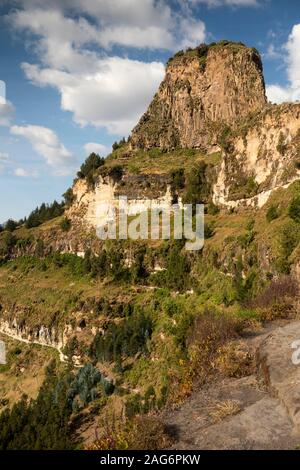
223 409
234 360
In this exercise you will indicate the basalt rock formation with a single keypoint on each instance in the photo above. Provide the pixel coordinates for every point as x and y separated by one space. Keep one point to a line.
203 89
260 156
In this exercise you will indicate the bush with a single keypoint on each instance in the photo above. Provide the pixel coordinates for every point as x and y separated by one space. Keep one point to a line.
272 213
208 231
91 164
178 268
178 179
7 243
294 209
209 332
118 145
224 139
212 209
65 224
289 239
139 433
116 173
11 225
43 213
122 339
277 297
197 187
69 197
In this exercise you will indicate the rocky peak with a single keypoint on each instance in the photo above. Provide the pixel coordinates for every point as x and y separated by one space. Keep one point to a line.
204 89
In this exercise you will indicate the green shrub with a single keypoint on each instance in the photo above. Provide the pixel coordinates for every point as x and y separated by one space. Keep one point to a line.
65 224
197 186
178 179
294 209
272 213
123 339
43 213
69 197
281 146
212 209
208 231
91 164
289 239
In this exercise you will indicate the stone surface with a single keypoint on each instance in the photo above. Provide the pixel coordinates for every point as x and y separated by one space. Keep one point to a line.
268 403
202 89
95 206
261 157
279 368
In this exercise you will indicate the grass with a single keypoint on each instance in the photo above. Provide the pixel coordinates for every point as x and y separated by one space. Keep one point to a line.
24 371
156 161
47 296
223 409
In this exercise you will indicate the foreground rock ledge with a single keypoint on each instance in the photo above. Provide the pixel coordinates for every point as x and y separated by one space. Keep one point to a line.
277 370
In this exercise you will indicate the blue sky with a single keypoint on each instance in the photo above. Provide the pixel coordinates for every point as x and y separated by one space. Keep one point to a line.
79 73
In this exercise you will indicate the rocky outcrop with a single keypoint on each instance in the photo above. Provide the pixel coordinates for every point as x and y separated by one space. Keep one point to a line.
263 155
44 336
203 89
264 407
94 206
279 368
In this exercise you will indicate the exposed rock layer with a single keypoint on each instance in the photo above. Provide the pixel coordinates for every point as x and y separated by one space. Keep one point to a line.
202 89
263 155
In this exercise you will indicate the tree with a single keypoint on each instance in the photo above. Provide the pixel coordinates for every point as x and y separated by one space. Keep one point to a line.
43 213
197 188
294 209
11 225
91 164
69 197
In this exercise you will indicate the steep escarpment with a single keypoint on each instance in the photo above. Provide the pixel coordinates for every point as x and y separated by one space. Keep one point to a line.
203 89
210 106
93 206
262 155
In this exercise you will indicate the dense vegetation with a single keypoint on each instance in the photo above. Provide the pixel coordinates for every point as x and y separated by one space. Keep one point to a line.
158 319
44 423
88 168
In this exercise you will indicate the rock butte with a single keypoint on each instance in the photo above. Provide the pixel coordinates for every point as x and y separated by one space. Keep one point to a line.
211 99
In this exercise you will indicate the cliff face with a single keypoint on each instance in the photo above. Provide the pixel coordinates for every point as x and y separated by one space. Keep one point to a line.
94 206
203 89
211 100
261 156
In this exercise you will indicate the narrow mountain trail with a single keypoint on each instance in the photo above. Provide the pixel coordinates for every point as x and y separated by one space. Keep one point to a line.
62 357
261 411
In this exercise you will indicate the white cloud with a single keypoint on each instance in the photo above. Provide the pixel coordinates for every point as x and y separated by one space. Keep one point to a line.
113 96
192 31
91 147
277 93
6 112
23 173
272 53
130 23
46 143
110 92
231 3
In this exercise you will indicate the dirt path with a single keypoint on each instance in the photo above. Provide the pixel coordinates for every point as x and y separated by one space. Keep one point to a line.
62 357
261 411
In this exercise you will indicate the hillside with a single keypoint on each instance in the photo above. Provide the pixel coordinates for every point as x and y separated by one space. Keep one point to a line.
137 326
